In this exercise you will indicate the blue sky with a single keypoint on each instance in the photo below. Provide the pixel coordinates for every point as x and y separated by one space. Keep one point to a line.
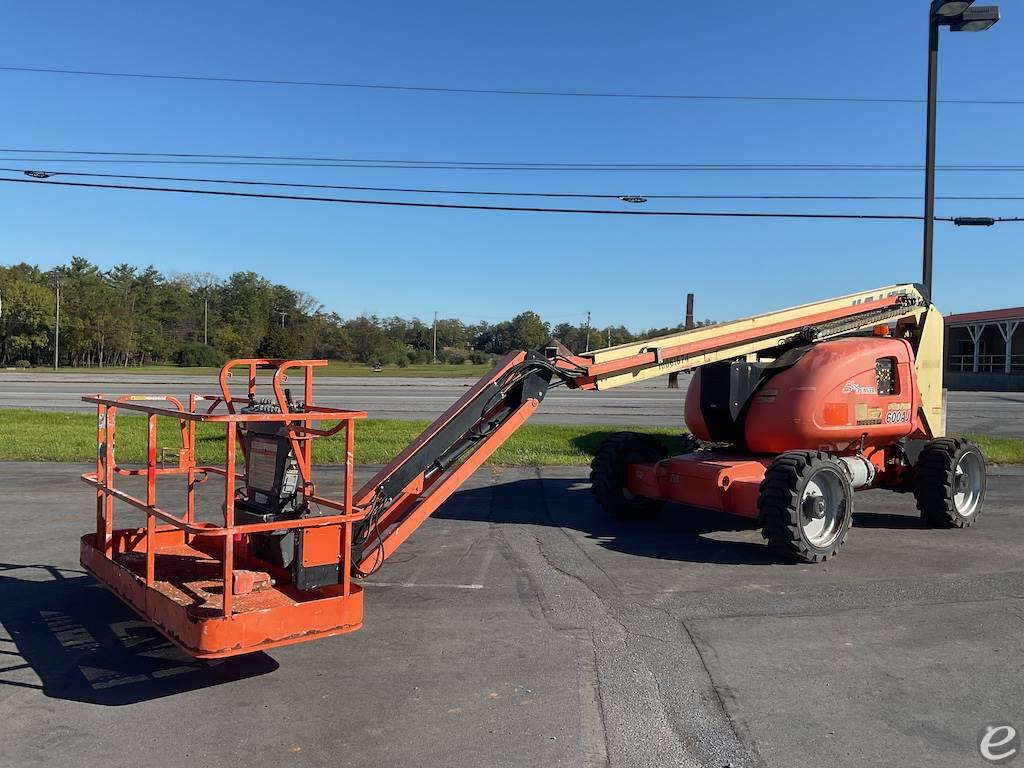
483 265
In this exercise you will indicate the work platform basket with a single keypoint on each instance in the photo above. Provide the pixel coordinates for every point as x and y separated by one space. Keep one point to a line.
202 583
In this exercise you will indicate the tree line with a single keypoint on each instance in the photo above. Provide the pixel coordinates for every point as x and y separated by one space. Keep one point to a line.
130 316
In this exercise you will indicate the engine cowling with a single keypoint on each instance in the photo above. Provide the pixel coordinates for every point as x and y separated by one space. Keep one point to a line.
833 394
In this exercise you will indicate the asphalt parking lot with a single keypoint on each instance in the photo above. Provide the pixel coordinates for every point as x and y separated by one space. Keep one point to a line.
519 626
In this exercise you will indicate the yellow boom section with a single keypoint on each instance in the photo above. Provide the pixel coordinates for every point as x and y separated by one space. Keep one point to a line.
757 335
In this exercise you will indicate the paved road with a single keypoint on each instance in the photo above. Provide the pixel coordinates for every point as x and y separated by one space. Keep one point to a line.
520 627
644 404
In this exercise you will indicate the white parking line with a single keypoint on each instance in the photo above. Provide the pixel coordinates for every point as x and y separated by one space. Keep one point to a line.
417 585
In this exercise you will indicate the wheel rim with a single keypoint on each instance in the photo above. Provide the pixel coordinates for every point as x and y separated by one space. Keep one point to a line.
968 482
823 509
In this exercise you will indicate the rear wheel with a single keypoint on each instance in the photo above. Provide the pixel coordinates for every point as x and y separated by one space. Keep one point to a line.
806 506
949 483
608 473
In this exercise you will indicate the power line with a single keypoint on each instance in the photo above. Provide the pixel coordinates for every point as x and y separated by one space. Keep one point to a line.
504 92
502 163
469 207
495 193
559 167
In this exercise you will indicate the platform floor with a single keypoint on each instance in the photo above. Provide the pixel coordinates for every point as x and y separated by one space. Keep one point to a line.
193 579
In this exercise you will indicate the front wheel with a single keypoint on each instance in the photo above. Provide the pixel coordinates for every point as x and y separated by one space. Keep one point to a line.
949 483
806 506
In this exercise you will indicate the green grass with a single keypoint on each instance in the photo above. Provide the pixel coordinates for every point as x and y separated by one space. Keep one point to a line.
27 435
420 371
999 450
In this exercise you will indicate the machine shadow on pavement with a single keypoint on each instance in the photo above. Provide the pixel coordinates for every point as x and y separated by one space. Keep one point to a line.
893 521
674 533
85 645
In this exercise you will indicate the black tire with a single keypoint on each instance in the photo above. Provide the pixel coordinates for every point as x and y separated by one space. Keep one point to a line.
608 474
949 483
789 513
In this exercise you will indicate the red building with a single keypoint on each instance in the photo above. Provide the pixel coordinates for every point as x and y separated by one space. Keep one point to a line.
985 350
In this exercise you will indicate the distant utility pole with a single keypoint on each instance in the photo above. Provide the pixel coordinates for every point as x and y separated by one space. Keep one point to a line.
435 335
283 315
609 335
588 332
673 378
56 332
206 318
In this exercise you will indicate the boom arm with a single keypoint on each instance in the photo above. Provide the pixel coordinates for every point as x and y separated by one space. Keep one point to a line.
405 492
628 363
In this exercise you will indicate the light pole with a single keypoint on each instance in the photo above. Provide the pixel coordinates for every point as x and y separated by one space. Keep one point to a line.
959 16
56 329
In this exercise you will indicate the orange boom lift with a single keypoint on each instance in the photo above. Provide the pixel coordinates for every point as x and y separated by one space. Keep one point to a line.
791 412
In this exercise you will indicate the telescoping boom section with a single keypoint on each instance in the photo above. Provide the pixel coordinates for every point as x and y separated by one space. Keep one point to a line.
281 561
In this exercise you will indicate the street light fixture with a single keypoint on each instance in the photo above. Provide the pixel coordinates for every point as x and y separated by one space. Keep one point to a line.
959 16
950 7
976 19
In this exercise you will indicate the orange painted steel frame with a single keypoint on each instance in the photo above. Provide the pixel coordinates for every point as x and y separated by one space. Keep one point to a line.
718 481
282 615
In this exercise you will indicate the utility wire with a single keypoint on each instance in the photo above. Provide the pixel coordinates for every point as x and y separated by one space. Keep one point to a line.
631 198
505 92
560 167
461 206
545 166
641 166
